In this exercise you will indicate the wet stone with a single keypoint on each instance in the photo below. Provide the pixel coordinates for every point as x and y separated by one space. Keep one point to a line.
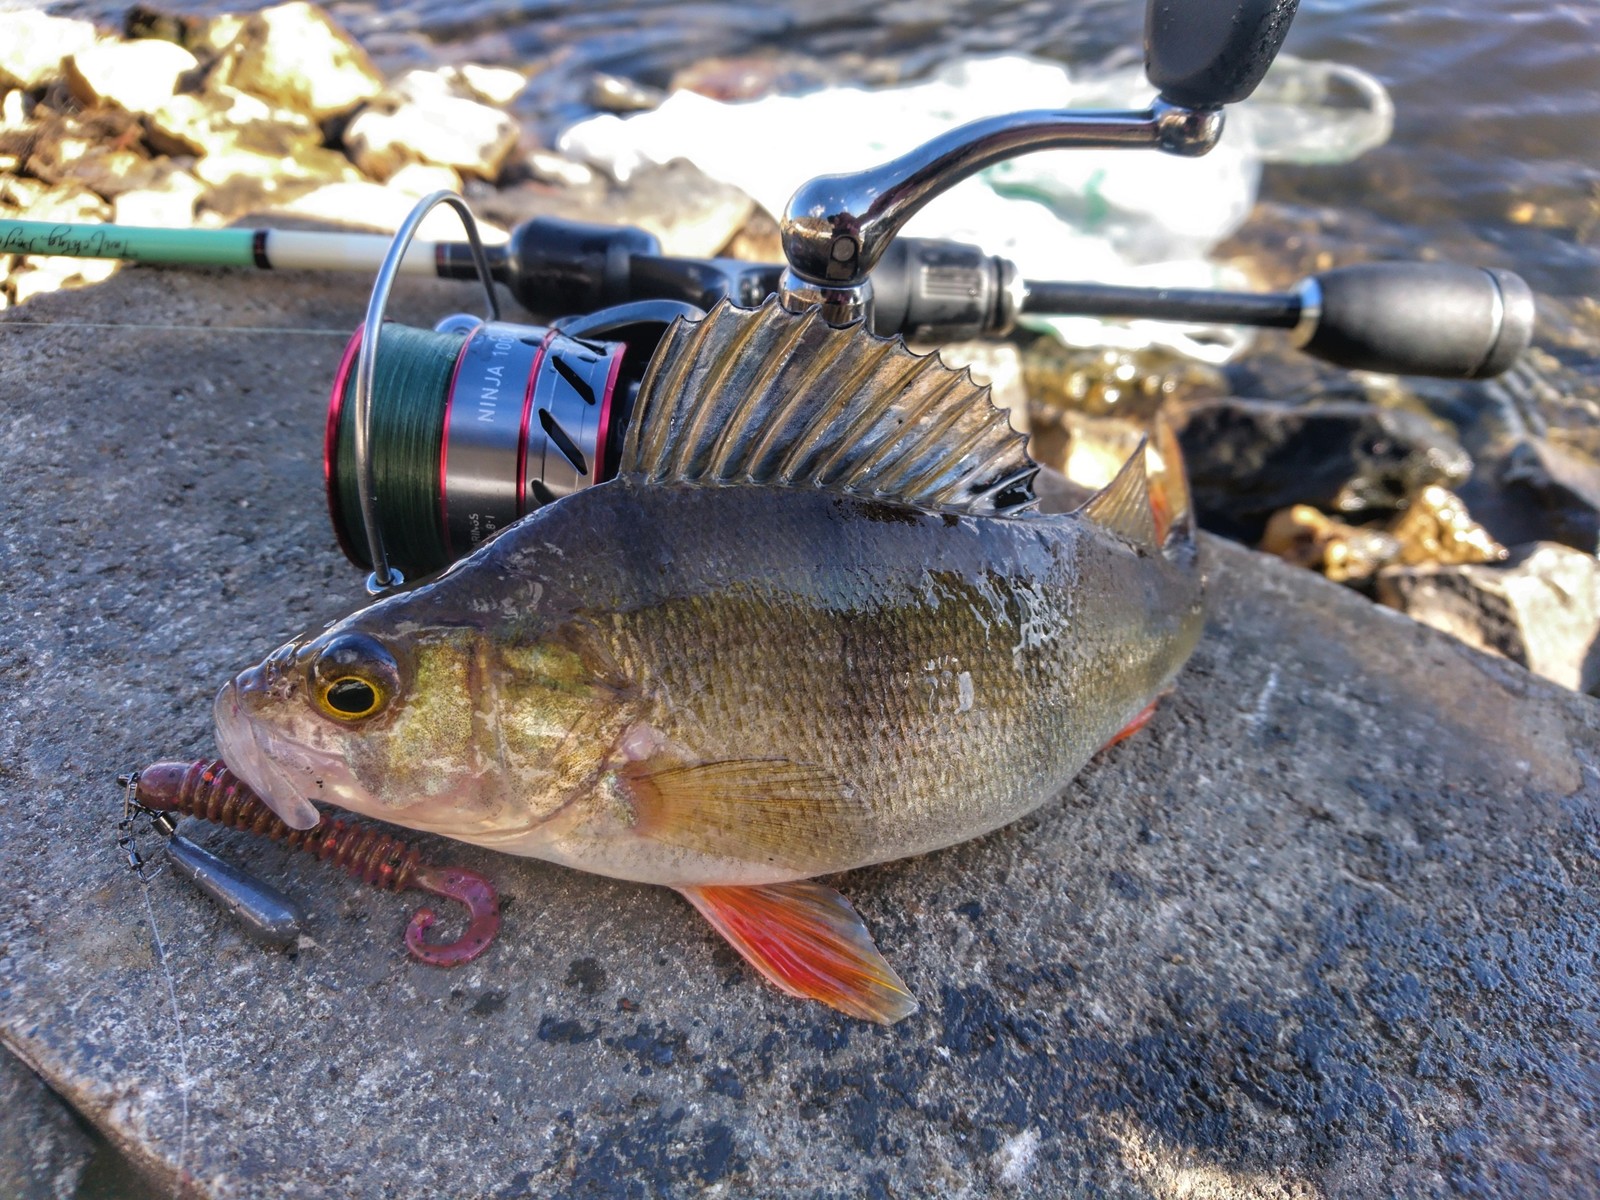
1325 927
1249 458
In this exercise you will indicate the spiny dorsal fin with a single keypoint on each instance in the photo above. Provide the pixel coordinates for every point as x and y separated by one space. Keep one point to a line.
1123 505
769 397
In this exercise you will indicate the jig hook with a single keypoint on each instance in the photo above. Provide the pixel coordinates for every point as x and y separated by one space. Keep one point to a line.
211 792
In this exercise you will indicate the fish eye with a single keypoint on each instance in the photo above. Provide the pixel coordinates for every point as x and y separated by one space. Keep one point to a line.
351 696
354 677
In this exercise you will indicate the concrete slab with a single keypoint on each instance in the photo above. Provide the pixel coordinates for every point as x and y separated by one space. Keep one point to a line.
1327 928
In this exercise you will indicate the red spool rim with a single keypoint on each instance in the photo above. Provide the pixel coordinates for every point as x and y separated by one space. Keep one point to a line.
605 417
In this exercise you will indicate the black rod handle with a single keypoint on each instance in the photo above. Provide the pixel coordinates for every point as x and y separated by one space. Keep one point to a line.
1443 319
1207 53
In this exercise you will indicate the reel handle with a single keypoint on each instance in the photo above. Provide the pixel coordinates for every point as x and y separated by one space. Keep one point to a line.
1202 54
1207 53
1414 318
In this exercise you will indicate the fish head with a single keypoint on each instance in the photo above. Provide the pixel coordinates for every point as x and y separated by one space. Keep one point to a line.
400 719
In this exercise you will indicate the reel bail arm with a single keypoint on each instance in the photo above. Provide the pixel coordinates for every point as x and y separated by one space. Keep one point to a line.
1201 54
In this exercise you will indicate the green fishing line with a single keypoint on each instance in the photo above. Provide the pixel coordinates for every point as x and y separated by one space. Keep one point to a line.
410 387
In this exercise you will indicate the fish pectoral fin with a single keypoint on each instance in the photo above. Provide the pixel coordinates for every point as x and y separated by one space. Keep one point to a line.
810 943
760 810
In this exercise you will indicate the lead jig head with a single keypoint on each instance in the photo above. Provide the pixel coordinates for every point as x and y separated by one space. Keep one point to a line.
211 792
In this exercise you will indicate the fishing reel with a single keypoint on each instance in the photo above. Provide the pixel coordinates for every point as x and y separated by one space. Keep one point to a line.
438 439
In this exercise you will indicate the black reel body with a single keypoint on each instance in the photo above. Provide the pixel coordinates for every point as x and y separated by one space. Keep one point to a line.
473 424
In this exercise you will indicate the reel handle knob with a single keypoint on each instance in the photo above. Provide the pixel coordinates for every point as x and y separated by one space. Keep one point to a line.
1207 53
1442 319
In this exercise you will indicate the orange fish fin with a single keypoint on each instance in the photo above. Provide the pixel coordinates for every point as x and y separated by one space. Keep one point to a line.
1133 726
761 810
1170 503
809 942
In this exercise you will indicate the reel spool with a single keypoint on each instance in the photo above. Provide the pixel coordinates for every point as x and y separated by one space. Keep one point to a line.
438 439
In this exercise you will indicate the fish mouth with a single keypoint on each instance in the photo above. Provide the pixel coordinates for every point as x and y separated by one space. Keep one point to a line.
280 772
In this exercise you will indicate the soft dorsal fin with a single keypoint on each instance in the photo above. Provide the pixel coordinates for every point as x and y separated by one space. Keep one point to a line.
1123 505
770 397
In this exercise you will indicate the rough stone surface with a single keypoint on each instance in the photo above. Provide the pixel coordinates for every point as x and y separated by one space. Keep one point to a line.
1540 608
1248 458
33 44
1327 927
692 214
137 76
294 55
430 117
43 1152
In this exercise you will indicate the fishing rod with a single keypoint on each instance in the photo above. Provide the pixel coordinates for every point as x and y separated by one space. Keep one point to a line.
1406 318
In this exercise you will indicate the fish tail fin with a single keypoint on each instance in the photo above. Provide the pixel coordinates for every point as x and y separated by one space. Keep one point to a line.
807 940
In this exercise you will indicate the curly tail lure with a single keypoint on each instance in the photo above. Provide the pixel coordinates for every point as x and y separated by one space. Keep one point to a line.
209 791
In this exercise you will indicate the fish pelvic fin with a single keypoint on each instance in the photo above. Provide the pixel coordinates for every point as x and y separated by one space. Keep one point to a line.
773 812
1148 503
773 398
808 941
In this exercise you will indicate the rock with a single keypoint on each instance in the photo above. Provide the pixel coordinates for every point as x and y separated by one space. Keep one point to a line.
1437 528
1131 384
420 179
692 214
1324 928
33 45
1562 484
223 119
493 85
271 171
167 204
546 166
138 76
1248 458
35 275
614 94
1087 450
296 57
1541 609
57 147
757 240
422 119
1344 553
380 208
43 1153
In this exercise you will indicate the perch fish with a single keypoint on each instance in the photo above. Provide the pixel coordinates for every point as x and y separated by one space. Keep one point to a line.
817 621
